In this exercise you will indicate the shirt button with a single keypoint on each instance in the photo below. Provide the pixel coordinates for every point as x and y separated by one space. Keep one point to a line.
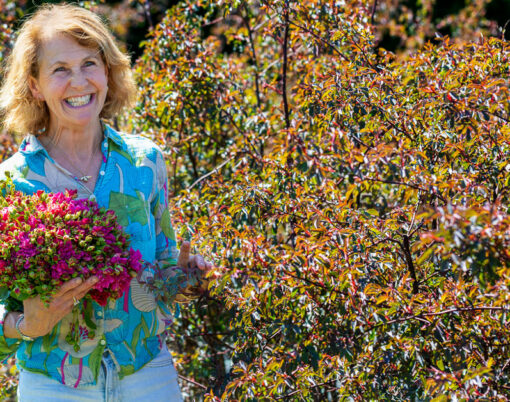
92 197
102 342
101 172
99 313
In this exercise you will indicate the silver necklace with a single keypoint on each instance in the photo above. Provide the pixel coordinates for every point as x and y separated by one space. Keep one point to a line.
83 178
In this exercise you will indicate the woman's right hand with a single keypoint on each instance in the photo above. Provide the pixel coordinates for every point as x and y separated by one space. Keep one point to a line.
40 319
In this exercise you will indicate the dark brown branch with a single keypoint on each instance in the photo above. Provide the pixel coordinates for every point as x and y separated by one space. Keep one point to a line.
409 261
315 35
284 73
374 8
193 161
312 387
246 20
318 37
401 183
215 170
420 316
192 381
147 11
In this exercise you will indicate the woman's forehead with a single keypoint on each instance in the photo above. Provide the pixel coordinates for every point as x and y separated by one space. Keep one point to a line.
60 47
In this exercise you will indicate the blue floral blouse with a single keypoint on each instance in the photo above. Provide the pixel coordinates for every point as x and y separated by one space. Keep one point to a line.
133 182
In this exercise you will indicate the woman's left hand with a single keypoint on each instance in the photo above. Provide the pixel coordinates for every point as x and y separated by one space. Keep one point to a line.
189 264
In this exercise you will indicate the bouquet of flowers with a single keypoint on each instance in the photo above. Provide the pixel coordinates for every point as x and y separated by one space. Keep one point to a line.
48 239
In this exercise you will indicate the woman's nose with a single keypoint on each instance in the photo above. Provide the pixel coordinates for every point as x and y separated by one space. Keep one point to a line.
78 79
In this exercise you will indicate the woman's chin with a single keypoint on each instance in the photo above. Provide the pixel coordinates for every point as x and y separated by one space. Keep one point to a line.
82 121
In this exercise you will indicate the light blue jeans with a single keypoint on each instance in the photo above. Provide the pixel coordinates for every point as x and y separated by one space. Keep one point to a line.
155 382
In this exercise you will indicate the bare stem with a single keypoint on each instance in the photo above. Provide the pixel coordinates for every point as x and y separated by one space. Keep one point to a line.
147 11
374 8
284 74
409 261
246 20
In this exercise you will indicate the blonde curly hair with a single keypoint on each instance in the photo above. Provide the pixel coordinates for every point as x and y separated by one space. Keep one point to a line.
22 113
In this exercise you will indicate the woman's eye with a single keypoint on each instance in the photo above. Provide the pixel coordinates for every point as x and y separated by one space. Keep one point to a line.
58 69
90 63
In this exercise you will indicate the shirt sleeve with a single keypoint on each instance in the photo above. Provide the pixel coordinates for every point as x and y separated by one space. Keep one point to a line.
8 346
166 245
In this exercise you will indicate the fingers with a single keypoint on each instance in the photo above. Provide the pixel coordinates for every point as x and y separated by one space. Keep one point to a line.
183 259
198 261
68 286
82 290
75 288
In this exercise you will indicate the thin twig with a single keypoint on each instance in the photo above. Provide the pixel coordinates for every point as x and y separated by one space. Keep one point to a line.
192 381
315 35
374 8
315 386
284 73
401 183
215 170
414 215
444 312
406 248
147 11
246 20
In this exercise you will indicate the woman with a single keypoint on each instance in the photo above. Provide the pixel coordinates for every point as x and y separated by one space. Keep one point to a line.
64 75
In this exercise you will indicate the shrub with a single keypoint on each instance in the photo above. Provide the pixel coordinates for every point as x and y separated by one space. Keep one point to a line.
356 202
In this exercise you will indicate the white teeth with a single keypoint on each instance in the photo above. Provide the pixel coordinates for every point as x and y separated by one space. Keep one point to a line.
79 100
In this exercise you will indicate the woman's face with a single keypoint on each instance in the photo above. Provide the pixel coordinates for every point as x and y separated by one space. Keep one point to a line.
72 81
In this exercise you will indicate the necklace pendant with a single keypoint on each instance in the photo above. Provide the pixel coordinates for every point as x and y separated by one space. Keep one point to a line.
85 179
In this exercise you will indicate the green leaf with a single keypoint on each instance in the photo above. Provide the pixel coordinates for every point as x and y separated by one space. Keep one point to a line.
87 314
166 225
95 360
126 370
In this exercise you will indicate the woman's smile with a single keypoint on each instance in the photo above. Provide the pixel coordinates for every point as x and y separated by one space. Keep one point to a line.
79 101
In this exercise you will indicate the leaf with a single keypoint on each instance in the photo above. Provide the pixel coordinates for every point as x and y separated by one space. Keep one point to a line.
166 225
87 314
95 359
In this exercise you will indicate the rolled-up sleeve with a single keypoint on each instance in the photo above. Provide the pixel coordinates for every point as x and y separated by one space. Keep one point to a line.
8 346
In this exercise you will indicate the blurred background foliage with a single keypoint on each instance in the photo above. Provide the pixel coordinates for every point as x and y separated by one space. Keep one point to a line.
345 163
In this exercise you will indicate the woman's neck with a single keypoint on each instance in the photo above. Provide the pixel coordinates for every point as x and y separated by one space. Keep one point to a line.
78 144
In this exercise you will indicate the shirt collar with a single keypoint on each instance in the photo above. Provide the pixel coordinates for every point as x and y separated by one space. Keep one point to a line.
31 144
113 135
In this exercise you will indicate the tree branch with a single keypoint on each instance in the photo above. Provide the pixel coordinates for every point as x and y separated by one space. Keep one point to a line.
401 183
374 8
312 387
284 73
192 381
216 169
252 44
147 11
409 261
420 316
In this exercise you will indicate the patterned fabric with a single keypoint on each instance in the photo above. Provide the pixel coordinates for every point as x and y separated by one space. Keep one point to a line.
133 182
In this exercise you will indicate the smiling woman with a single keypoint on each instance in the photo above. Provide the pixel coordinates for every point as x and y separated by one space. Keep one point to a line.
65 74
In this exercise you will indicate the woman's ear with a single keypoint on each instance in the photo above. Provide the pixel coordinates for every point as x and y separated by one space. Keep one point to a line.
33 85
